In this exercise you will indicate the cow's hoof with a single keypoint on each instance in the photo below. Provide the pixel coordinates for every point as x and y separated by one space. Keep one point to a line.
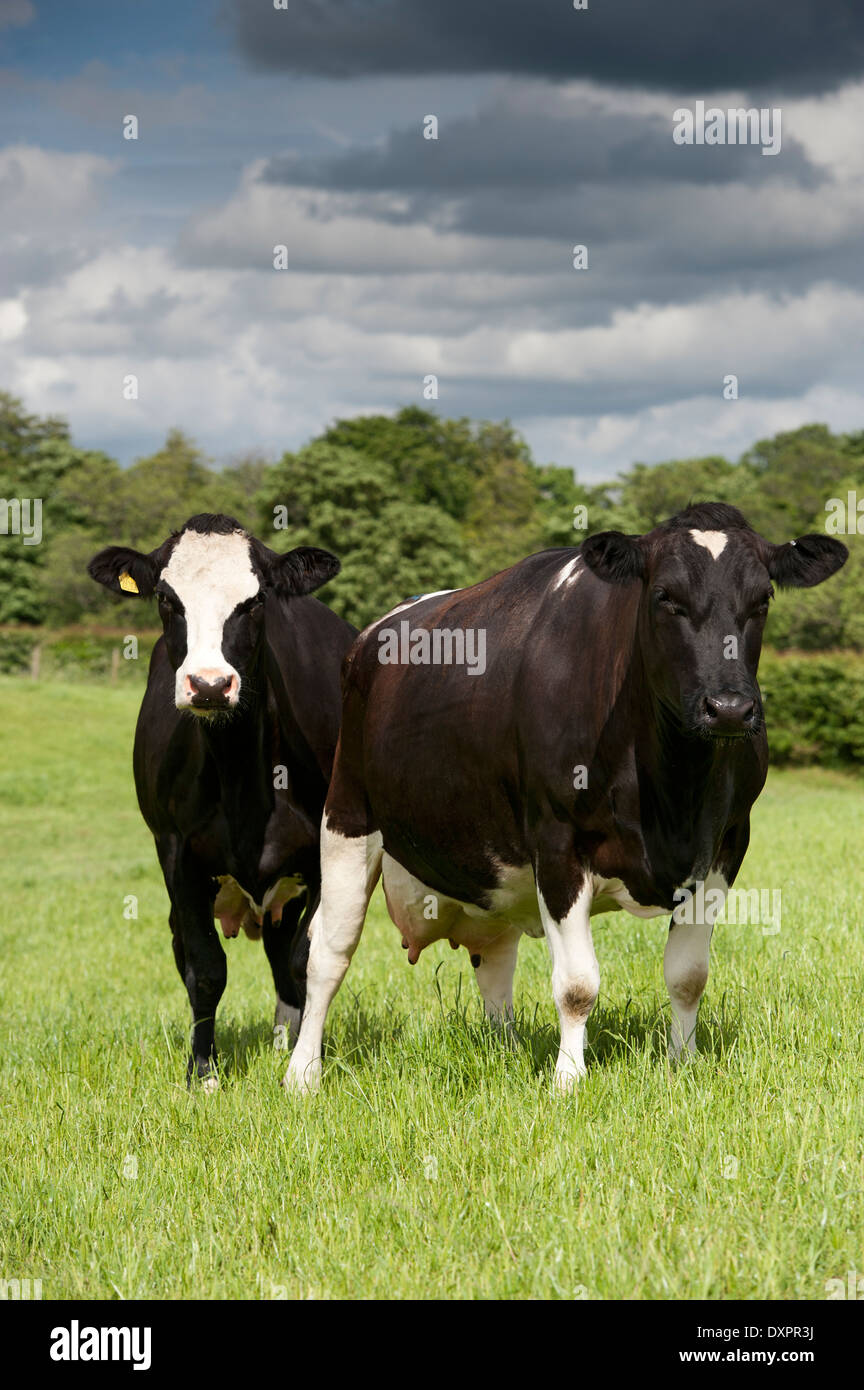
281 1041
303 1080
567 1079
207 1079
681 1052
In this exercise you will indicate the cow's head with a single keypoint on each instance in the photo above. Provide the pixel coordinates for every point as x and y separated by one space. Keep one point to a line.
707 579
211 581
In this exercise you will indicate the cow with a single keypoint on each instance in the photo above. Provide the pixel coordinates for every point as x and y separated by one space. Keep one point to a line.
233 750
605 754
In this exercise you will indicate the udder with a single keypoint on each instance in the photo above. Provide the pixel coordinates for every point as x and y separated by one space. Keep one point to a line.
423 915
236 908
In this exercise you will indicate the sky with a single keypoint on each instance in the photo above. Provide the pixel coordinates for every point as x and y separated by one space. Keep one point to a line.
408 257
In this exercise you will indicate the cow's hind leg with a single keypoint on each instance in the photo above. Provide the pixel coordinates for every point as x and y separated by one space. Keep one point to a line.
494 969
686 958
350 867
287 947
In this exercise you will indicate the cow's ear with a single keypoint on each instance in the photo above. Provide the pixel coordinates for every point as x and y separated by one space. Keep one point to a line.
612 556
801 564
302 570
124 571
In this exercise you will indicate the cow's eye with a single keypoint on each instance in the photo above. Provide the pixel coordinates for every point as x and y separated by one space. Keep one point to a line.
166 605
762 606
671 605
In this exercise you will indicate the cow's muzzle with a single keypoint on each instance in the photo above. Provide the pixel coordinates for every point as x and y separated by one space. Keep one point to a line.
728 715
210 691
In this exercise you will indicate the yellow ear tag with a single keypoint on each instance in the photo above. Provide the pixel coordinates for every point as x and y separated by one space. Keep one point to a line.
128 584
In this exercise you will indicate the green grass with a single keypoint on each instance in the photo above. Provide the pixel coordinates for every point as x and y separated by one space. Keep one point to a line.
437 1162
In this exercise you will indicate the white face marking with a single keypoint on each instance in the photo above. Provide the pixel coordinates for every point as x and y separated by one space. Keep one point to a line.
210 574
568 573
715 541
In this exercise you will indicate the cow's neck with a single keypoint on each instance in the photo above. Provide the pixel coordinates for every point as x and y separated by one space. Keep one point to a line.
683 788
681 769
236 746
261 752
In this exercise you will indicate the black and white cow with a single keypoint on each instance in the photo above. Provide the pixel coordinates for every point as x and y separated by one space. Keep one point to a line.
234 749
606 755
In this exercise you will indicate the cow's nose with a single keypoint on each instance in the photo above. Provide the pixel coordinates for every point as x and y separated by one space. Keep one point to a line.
209 689
728 712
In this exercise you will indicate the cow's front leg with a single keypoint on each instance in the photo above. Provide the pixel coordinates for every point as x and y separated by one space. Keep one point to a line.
686 958
564 893
202 966
197 951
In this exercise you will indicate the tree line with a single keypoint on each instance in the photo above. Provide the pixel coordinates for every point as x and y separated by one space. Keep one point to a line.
409 502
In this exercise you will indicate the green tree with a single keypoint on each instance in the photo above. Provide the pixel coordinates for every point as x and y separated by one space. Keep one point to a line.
35 455
161 491
434 461
647 494
558 495
352 504
503 522
796 472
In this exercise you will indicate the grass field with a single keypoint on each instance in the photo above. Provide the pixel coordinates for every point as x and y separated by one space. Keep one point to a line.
436 1162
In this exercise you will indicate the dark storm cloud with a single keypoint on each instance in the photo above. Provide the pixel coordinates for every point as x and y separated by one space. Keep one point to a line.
805 45
514 147
538 171
516 396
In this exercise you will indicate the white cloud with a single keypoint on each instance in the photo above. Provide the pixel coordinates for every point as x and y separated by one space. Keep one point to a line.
13 319
324 231
41 189
829 128
244 356
598 446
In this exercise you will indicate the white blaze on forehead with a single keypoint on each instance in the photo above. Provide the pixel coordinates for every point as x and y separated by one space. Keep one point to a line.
715 541
210 574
